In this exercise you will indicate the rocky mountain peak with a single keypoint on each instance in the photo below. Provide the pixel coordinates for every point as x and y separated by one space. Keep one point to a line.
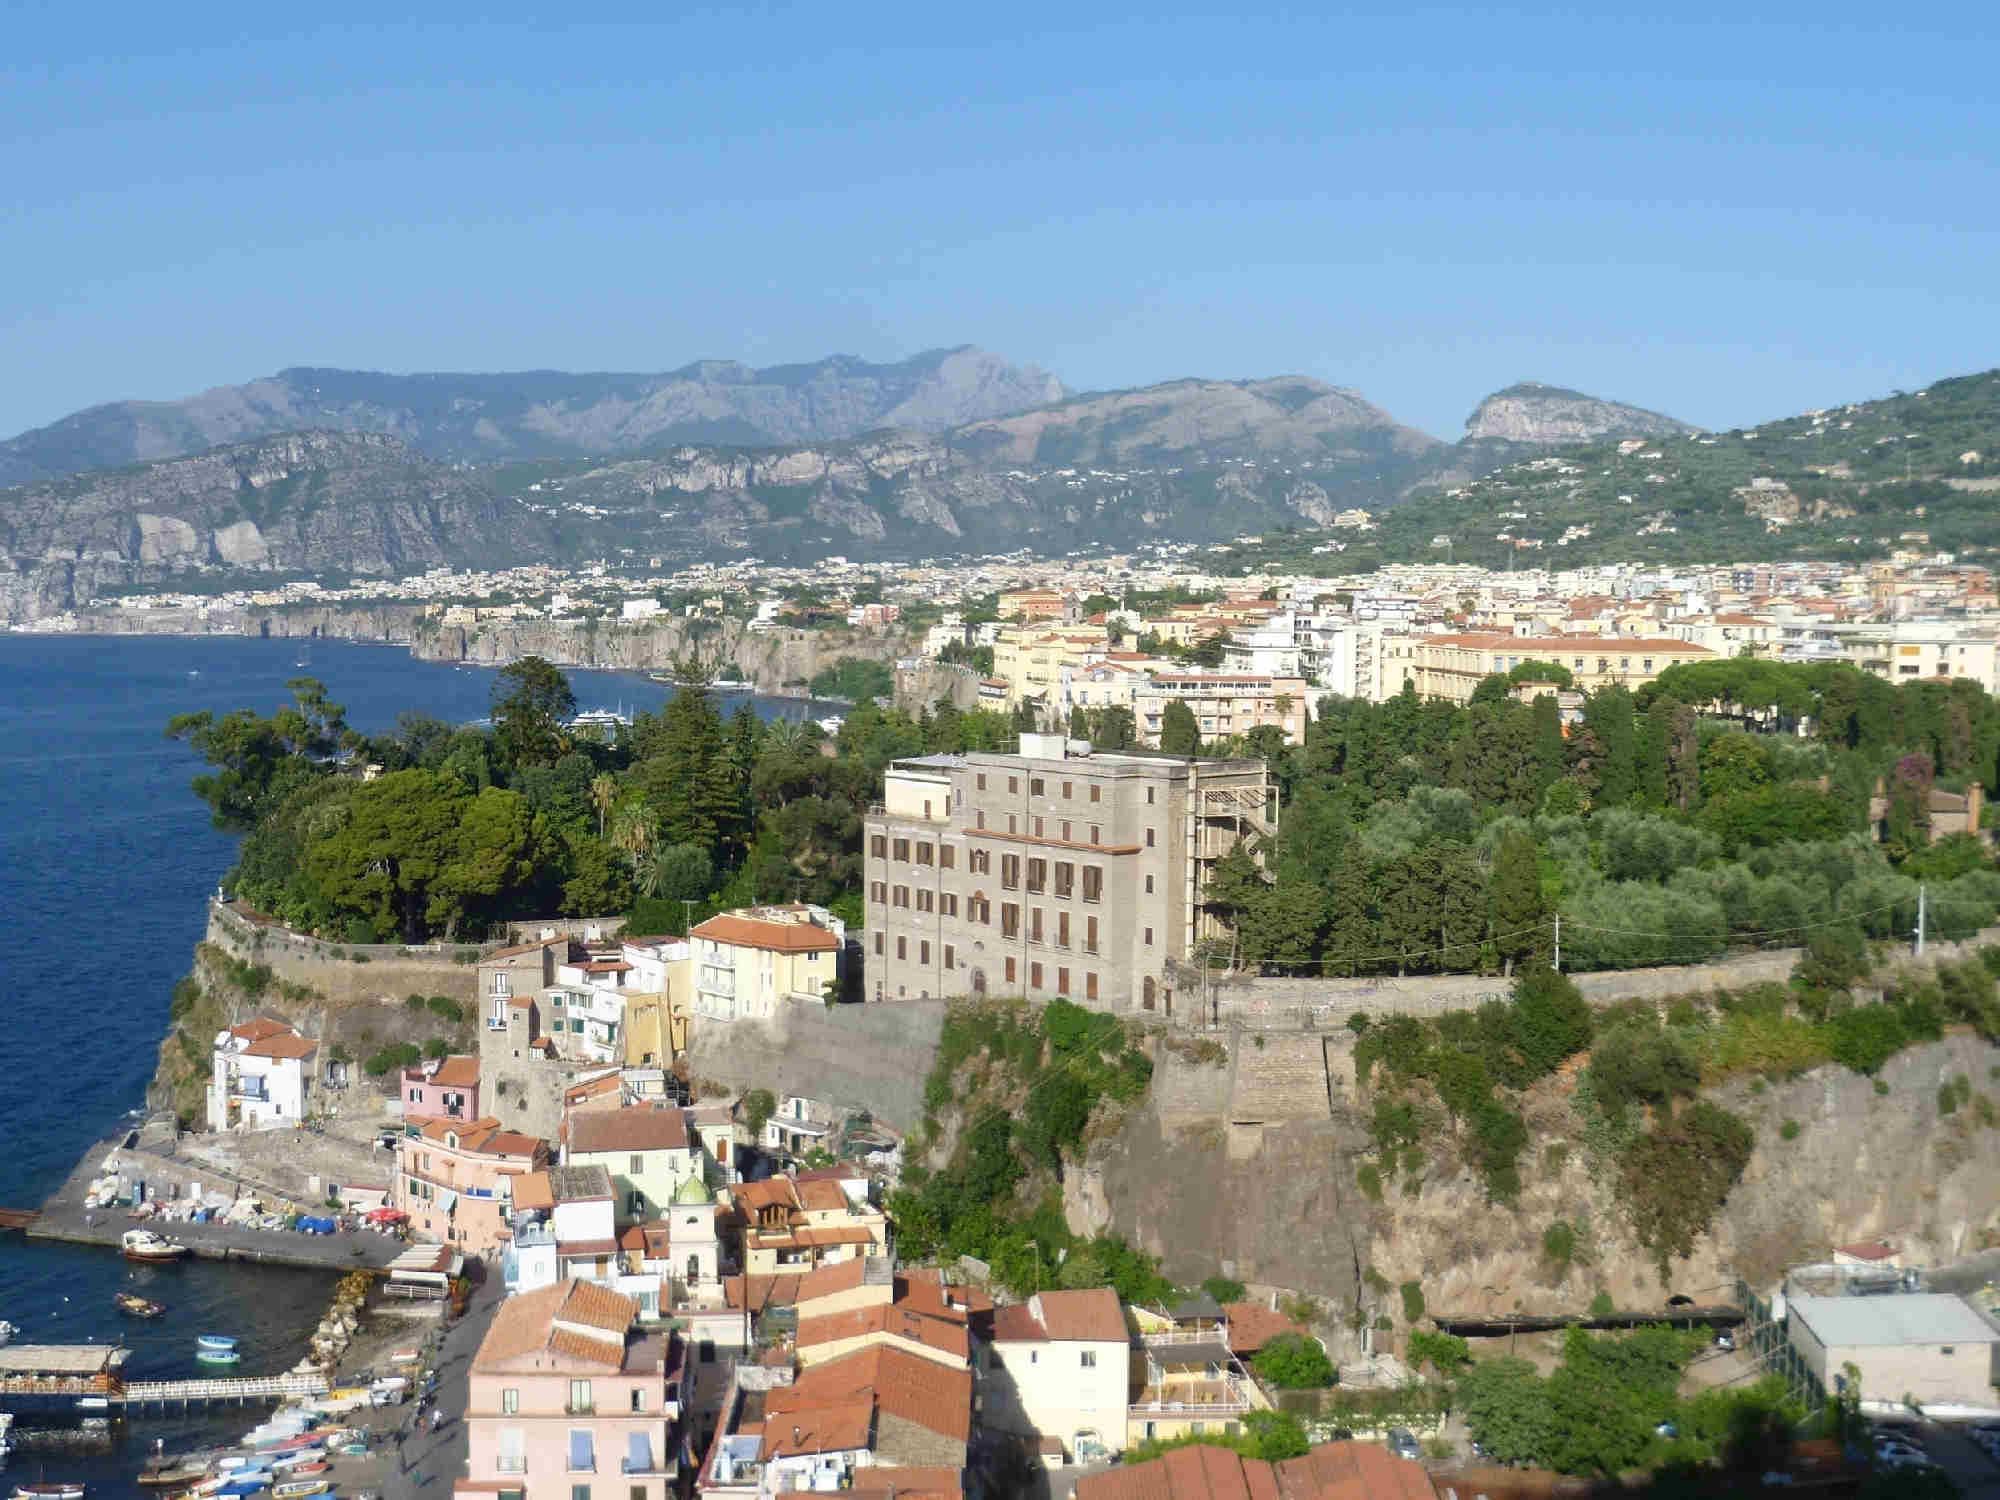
1531 412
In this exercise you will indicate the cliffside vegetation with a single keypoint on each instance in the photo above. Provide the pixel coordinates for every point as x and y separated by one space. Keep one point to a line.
1018 1091
440 830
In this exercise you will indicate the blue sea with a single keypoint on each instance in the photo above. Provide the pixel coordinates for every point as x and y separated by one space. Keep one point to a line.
106 863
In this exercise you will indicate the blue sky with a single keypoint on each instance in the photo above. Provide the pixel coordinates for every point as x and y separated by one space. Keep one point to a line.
1726 216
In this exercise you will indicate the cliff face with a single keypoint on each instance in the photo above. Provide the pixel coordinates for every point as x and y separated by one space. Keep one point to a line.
1547 415
1230 1166
307 502
542 413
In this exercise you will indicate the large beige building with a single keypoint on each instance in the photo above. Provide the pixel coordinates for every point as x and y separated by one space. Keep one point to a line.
1223 703
1053 872
1916 1346
1451 666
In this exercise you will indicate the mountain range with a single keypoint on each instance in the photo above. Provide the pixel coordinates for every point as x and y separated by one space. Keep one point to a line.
953 452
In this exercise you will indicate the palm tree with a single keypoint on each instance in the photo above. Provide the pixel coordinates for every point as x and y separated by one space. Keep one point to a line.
787 736
632 835
603 792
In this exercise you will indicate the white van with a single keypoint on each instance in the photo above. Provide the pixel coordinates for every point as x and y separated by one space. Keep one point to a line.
391 1390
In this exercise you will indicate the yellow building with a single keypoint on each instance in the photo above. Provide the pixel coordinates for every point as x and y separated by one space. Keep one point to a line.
746 961
1451 666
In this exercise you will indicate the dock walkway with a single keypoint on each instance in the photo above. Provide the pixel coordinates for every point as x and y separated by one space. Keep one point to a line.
241 1388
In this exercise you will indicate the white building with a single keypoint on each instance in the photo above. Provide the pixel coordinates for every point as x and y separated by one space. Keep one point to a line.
261 1077
1916 1346
1060 1366
638 609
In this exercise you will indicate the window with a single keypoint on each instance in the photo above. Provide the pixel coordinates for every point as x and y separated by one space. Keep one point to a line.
1149 796
1013 823
1149 937
1090 985
878 945
981 780
902 850
1034 976
1093 882
926 900
980 861
1149 838
923 953
950 957
902 895
1038 828
923 853
510 1401
1149 885
579 1398
1066 789
1065 830
1036 786
949 904
1038 876
503 986
1090 934
1062 981
979 817
1010 920
582 1455
1065 875
638 1166
1010 971
903 946
980 910
1094 833
1034 924
1010 872
1090 1359
947 857
878 845
1095 794
1014 782
878 892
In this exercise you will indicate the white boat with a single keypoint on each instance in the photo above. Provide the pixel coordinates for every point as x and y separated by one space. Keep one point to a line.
217 1340
7 1331
6 1441
144 1244
217 1356
732 685
67 1490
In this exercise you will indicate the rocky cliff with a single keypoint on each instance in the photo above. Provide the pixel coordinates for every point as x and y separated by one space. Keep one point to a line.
489 417
302 503
1249 1163
1548 415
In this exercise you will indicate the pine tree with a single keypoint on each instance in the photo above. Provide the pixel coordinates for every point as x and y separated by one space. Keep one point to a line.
1609 715
1179 733
1651 788
1515 900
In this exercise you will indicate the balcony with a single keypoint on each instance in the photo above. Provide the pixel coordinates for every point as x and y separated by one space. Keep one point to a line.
580 1408
511 1463
1191 1398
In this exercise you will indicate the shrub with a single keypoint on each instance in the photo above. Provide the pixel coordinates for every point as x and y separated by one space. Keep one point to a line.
1601 1306
1790 1130
1223 1289
1675 1176
446 1008
437 1047
1559 1243
360 930
757 1106
1370 1181
1881 1086
1947 1099
1446 1353
1358 1022
1413 1301
413 1002
1863 1039
1294 1362
187 994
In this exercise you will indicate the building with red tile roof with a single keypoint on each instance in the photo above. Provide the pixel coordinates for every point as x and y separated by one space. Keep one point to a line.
1331 1471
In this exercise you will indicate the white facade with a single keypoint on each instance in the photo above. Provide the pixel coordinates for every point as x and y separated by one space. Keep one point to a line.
261 1077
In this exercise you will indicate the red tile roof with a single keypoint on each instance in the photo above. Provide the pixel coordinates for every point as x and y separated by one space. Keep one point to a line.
638 1127
778 937
944 1336
1332 1471
1252 1325
905 1385
1093 1315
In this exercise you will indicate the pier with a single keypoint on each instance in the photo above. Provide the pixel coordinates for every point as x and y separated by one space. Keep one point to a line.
242 1388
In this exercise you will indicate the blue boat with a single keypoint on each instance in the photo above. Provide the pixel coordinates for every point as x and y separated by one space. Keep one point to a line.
217 1341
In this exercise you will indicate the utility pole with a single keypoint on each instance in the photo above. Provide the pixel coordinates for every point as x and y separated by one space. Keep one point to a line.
1923 911
1559 942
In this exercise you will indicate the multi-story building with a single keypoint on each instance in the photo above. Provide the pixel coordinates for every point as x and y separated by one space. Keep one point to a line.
644 1147
1223 704
456 1179
1050 872
786 1226
746 961
1451 666
445 1088
261 1076
1060 1366
566 1399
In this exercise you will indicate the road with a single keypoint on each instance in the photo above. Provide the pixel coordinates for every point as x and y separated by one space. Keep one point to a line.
434 1460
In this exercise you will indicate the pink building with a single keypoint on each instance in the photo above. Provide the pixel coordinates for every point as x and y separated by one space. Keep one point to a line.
447 1088
455 1179
566 1401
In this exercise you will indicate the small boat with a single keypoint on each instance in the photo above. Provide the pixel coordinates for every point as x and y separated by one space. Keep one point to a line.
217 1356
135 1305
67 1490
93 1403
145 1245
7 1331
316 1466
293 1489
216 1340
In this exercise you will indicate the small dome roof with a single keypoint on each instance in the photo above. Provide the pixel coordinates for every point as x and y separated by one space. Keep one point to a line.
693 1191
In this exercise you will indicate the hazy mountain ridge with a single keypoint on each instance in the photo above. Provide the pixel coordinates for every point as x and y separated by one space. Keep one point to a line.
1531 412
484 418
313 502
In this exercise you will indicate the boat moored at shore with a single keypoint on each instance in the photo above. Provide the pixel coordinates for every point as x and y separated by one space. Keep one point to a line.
148 1246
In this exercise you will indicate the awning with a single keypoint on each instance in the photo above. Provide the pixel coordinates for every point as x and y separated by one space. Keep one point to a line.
445 1199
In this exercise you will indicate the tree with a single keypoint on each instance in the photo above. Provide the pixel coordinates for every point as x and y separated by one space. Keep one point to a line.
1113 729
1519 914
531 701
756 1107
1907 824
1079 722
1294 1362
399 836
1506 1409
259 761
603 794
1179 733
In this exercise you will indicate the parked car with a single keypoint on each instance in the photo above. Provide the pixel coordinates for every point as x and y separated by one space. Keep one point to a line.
1403 1443
1725 1341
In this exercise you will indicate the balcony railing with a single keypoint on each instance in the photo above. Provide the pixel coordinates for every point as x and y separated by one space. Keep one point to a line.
580 1408
511 1463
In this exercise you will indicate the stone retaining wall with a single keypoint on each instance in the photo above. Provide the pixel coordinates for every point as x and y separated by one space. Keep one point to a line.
872 1057
347 973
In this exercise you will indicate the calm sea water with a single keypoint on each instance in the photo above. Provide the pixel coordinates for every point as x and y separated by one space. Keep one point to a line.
106 861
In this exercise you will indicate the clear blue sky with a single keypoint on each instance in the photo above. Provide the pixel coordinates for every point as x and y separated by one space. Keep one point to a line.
1726 216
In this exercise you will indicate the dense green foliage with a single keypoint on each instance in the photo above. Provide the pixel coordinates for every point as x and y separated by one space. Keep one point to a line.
857 678
458 830
1666 826
1268 1435
1294 1362
1025 1084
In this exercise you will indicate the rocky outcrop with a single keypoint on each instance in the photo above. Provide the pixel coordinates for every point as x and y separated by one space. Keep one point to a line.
1548 415
311 502
488 417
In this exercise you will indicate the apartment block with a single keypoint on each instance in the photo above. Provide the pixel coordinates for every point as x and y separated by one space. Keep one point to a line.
1451 666
1223 704
1052 872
